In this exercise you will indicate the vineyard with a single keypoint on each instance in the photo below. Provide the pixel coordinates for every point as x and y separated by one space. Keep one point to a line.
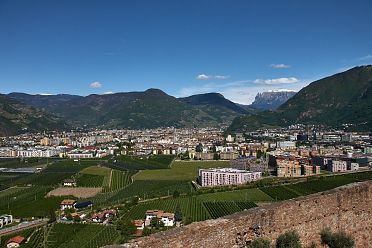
190 206
179 171
221 208
81 235
24 233
28 202
152 189
120 179
133 163
87 180
193 208
252 195
67 166
43 179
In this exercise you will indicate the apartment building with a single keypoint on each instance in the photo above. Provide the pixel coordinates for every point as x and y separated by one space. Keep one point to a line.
226 176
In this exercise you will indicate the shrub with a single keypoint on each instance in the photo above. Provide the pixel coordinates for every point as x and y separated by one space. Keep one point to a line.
289 239
260 243
337 239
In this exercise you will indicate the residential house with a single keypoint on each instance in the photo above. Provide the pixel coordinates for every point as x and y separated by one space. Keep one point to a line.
5 220
69 182
67 204
15 242
165 217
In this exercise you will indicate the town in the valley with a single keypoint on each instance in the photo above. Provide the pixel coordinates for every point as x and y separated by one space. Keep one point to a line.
131 183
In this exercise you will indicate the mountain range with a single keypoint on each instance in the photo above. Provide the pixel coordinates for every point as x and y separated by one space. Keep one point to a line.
270 100
16 117
344 99
149 109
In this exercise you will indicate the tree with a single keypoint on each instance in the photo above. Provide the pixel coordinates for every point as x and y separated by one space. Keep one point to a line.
199 148
126 227
289 239
154 223
77 218
69 217
178 213
176 194
260 243
188 220
134 201
336 240
52 215
146 231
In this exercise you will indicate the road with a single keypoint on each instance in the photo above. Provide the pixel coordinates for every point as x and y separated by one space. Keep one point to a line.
23 225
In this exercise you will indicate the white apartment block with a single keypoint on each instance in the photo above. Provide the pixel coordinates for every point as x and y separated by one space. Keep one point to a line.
5 220
226 176
337 165
34 153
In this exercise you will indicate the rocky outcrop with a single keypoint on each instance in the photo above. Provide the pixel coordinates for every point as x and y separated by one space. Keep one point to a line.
346 208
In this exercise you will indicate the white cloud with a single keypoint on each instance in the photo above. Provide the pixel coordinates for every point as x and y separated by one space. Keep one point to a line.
208 77
290 80
222 77
108 93
279 66
367 57
203 77
95 85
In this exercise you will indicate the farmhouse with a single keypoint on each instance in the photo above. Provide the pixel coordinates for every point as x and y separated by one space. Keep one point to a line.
103 216
5 220
67 204
69 183
140 224
15 242
165 217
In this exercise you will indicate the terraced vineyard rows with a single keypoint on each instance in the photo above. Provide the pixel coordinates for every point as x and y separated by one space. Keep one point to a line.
88 180
219 209
151 189
81 236
29 202
120 179
190 206
280 193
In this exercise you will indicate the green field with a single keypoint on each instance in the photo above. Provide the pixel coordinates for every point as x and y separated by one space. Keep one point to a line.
43 179
88 180
179 170
81 235
135 163
151 189
28 202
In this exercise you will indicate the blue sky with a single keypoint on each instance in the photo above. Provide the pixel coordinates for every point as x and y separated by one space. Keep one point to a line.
237 48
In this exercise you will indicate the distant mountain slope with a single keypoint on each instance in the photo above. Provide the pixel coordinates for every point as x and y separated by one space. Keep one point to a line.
16 117
271 100
344 98
149 109
216 105
45 102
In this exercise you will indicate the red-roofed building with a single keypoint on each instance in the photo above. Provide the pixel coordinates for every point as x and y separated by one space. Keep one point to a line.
15 242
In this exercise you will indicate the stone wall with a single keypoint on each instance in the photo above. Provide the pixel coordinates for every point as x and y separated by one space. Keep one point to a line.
348 208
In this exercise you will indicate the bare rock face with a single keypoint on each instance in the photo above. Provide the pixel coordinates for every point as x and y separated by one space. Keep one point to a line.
271 100
347 208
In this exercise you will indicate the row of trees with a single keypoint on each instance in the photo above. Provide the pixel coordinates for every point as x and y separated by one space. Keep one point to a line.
291 239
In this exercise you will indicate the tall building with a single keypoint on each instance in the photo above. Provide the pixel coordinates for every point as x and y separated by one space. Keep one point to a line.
226 176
